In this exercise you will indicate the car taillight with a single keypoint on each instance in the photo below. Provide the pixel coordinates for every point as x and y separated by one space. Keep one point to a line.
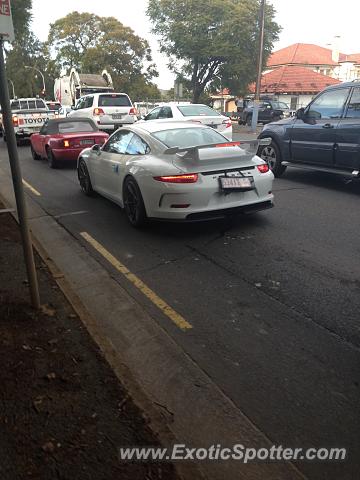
228 144
188 178
15 120
98 111
132 111
66 143
227 123
263 168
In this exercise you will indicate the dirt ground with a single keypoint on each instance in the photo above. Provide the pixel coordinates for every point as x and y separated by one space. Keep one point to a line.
63 413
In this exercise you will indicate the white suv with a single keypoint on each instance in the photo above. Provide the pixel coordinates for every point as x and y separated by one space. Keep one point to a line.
108 110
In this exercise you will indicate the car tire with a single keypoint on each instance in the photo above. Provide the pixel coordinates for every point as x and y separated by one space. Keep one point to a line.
34 155
84 178
133 203
52 162
272 156
249 120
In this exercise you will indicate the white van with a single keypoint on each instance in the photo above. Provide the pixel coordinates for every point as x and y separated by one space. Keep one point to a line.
108 110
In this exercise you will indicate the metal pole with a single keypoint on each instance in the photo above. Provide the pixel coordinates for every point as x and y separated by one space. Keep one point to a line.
17 182
260 60
42 76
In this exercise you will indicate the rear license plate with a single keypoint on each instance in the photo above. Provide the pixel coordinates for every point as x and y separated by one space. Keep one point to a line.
86 142
236 183
117 116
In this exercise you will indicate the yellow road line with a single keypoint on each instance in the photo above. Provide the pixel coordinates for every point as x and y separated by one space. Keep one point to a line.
32 189
139 284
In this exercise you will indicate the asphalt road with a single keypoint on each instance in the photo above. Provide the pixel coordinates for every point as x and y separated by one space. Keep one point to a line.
273 298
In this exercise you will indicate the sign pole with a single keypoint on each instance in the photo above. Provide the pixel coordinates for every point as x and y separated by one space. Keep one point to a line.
17 182
255 115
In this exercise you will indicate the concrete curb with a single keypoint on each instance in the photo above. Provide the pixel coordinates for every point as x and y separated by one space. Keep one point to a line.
182 402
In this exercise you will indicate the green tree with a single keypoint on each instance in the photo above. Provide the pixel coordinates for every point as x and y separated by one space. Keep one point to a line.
91 43
208 39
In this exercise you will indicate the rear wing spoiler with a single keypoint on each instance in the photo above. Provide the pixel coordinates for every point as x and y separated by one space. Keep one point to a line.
250 145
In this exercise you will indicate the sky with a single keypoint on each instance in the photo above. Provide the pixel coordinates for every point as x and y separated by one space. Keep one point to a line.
304 21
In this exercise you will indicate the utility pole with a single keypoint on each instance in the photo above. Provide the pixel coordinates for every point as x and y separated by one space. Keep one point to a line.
42 77
255 114
17 182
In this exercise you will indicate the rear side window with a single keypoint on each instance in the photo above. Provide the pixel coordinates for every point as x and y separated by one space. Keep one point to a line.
114 100
353 110
197 110
15 105
137 146
40 104
118 142
74 127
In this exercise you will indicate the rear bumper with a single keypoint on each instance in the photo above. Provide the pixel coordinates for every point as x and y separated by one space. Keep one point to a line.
214 214
219 214
69 154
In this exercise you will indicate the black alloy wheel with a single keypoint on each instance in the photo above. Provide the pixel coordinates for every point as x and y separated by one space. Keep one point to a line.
133 203
84 178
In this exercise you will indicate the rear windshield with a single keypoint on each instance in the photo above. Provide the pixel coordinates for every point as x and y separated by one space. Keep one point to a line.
75 127
195 110
114 101
54 107
189 137
32 104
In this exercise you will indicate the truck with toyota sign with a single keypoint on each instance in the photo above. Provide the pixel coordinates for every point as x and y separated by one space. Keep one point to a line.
28 116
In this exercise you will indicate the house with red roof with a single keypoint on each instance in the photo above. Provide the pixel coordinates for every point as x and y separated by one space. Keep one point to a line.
295 74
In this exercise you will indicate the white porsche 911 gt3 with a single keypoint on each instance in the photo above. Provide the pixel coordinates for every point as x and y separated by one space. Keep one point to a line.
176 171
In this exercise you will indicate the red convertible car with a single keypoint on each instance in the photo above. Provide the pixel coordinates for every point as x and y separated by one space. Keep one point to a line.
62 139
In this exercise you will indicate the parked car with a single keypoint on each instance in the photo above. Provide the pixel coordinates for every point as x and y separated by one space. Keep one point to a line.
269 111
108 110
323 136
191 112
176 171
63 139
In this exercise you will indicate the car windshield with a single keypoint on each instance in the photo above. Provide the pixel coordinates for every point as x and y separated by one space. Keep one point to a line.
114 100
189 137
280 105
76 127
197 110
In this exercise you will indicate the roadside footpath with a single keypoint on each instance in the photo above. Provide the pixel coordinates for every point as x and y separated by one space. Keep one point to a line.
63 412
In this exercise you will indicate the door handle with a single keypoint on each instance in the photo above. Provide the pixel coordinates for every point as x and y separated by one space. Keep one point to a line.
328 125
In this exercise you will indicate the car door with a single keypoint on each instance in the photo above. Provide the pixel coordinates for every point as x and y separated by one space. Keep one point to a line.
87 107
78 110
313 137
264 112
107 164
39 141
347 151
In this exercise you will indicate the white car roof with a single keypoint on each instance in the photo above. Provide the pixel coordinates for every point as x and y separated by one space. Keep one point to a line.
154 126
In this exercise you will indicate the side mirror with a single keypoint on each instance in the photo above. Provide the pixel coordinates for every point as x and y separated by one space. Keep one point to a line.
300 114
72 107
96 147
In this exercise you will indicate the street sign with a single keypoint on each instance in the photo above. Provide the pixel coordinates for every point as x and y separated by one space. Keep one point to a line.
6 23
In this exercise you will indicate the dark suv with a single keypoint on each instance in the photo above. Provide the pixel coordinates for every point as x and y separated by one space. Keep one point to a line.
323 136
269 111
